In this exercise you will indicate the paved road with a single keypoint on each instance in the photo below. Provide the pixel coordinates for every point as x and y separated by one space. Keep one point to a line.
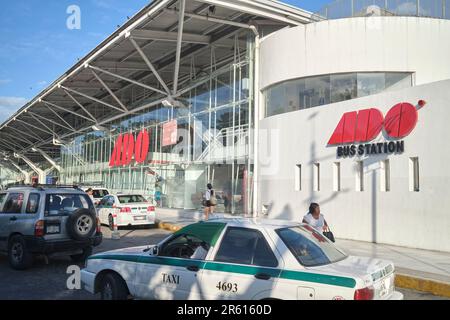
48 282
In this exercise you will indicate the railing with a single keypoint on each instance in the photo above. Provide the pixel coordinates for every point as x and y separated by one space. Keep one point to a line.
226 145
365 8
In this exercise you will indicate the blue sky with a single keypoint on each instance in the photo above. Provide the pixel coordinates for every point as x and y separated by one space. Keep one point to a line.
37 47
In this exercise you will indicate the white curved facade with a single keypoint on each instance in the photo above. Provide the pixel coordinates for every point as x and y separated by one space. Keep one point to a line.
377 44
297 166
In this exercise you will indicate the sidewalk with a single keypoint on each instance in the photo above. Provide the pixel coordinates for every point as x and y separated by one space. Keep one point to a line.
421 270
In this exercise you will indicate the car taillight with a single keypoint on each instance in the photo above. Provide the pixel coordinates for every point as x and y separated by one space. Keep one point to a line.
364 294
125 210
99 226
39 228
151 208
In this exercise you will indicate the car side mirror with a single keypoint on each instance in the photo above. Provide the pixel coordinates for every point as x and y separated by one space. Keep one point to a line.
155 251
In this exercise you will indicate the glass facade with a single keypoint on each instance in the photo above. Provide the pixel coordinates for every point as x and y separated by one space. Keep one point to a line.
212 145
311 92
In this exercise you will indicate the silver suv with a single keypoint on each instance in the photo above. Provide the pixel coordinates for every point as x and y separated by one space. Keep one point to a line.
45 220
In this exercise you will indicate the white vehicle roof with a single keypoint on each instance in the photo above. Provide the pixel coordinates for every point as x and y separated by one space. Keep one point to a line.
255 222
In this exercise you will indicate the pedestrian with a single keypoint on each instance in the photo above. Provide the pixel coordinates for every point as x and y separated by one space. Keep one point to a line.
158 194
210 200
315 219
90 193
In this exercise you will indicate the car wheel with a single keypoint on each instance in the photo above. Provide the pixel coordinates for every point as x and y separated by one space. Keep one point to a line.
113 287
81 224
111 222
82 257
19 257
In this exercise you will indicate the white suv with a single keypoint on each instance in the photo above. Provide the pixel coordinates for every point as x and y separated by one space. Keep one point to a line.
126 210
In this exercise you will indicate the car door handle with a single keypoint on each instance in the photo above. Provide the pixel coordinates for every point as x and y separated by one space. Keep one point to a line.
193 268
262 276
13 219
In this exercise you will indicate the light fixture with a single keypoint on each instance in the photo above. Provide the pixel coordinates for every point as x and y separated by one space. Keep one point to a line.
34 149
173 103
58 142
167 103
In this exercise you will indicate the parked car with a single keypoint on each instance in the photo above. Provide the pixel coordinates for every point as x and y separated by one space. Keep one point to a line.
249 259
46 220
98 193
126 210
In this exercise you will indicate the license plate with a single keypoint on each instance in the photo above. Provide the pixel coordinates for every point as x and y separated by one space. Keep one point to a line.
144 211
53 229
140 218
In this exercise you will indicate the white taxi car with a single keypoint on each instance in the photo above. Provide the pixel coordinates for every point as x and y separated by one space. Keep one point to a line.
126 210
247 259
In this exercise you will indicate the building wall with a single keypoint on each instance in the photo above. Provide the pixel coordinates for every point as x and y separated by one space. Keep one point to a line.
400 44
399 217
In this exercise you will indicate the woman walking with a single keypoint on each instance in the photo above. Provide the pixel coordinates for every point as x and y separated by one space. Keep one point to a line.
315 219
210 201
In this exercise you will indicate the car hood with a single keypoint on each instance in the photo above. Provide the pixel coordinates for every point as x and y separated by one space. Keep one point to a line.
367 269
124 251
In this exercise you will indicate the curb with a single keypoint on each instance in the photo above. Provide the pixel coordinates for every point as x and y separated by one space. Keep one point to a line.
423 285
401 280
168 226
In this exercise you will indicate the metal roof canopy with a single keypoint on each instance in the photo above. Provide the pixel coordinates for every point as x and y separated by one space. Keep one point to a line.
153 52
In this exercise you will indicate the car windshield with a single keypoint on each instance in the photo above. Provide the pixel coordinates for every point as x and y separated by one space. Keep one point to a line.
310 247
135 198
99 193
65 204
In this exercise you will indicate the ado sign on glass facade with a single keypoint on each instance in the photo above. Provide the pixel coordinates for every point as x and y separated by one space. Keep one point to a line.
176 151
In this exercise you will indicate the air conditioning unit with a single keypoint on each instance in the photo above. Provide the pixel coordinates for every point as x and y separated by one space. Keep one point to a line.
373 11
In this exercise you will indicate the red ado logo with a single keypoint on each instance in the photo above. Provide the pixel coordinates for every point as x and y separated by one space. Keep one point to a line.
126 147
366 125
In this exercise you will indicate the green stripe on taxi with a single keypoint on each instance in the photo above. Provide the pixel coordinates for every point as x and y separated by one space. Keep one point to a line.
232 268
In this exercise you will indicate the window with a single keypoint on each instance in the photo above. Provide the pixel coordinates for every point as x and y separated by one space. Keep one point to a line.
337 176
414 175
298 177
103 201
385 176
246 246
343 87
33 203
131 199
185 246
370 83
65 204
309 247
109 201
316 181
14 203
303 93
316 93
2 198
359 176
99 193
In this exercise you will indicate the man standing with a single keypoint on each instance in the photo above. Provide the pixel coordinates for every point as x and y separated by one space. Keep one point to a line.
90 193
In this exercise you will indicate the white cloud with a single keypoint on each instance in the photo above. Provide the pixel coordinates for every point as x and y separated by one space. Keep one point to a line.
4 81
9 105
42 83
